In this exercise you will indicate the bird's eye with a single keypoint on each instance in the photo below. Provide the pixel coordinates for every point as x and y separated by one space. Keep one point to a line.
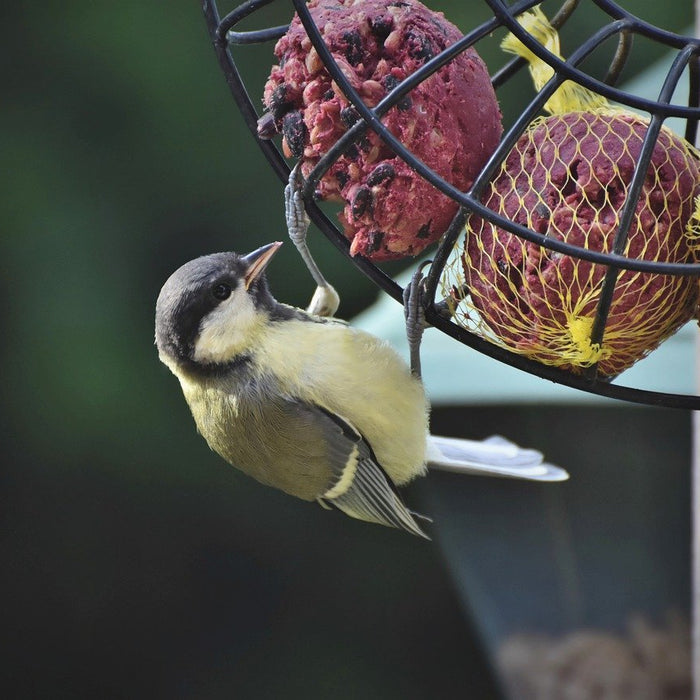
221 291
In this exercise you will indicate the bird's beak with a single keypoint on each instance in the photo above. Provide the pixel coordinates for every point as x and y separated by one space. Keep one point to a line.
257 261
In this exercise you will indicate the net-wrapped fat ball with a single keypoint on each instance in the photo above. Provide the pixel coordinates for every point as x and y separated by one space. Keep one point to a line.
451 121
568 177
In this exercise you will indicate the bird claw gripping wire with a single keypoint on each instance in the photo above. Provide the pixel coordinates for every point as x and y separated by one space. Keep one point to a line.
414 313
297 219
325 300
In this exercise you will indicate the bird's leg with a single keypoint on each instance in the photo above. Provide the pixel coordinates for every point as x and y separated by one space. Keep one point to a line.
325 300
414 311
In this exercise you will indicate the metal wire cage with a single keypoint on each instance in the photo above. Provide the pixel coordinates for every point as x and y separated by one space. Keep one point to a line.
621 26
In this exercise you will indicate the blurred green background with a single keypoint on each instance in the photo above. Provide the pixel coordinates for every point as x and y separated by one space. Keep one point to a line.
135 563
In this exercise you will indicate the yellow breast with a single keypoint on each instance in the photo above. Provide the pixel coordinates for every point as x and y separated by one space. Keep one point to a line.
358 377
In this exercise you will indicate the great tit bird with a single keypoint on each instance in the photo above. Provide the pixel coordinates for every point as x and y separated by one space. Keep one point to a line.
306 403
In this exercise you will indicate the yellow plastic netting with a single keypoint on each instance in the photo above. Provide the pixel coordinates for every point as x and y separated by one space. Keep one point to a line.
568 177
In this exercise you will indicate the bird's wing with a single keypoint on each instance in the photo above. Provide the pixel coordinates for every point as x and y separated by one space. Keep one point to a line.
362 489
494 456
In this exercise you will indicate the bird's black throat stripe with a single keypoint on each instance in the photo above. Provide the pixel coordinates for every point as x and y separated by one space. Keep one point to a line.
212 370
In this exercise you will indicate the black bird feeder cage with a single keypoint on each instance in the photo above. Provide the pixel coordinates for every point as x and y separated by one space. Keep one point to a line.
621 26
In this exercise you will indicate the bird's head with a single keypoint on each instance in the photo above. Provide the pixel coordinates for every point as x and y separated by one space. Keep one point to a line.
210 310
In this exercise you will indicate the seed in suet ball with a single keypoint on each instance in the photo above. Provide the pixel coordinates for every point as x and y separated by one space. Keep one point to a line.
451 121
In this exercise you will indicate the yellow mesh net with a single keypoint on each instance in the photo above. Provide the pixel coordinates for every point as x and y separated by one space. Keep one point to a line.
568 177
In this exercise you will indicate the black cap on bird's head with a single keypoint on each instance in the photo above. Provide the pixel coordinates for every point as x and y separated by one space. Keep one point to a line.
209 303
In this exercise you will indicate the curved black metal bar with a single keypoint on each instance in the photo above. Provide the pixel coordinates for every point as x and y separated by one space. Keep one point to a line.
506 15
621 261
357 129
240 95
518 63
642 27
601 387
256 37
223 26
624 45
623 23
633 194
691 129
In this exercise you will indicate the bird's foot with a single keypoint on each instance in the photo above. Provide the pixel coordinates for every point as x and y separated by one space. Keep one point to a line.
414 312
295 213
325 300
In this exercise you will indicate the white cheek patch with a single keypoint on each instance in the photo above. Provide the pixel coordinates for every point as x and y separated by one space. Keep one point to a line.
228 330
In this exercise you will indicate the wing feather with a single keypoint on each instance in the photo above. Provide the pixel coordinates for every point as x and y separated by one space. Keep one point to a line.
369 494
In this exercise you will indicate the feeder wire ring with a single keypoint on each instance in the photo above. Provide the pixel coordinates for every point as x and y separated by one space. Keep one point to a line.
623 24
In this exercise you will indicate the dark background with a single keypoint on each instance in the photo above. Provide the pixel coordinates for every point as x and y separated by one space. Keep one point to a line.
135 563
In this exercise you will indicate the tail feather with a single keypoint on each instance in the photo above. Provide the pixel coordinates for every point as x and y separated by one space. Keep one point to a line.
494 456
